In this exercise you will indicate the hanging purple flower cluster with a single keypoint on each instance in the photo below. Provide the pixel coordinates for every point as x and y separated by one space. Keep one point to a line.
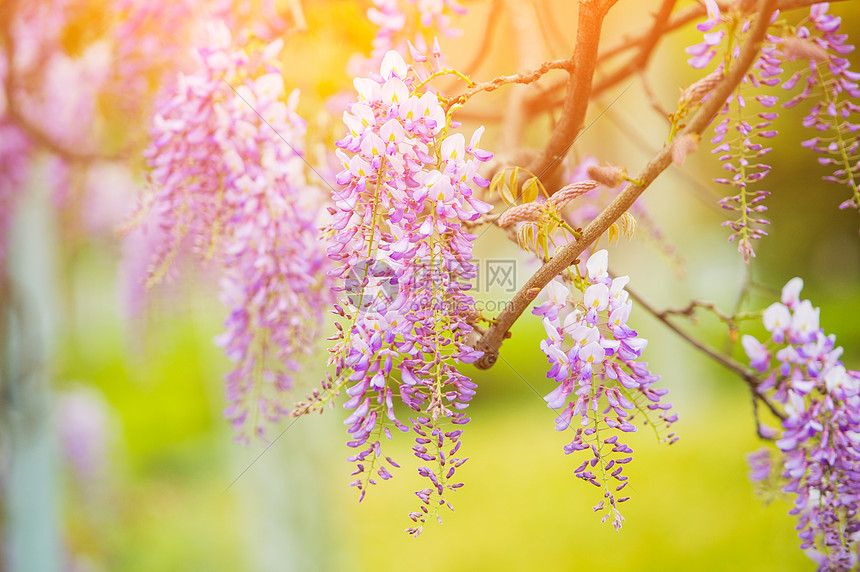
738 137
703 53
829 78
601 385
820 440
228 178
403 261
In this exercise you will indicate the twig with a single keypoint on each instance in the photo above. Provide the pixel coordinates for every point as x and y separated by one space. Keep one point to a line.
681 18
525 26
298 14
524 78
552 26
755 397
487 40
568 254
544 30
700 189
652 97
726 361
484 48
646 47
690 309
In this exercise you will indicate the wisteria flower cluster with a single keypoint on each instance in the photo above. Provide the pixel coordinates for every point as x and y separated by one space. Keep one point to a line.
146 43
403 260
829 79
392 254
601 385
741 138
228 182
820 440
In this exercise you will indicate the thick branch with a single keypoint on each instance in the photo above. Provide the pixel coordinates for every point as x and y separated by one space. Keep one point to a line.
568 254
591 14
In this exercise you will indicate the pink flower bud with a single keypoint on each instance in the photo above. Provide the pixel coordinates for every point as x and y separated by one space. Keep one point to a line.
695 92
520 213
610 175
683 146
564 195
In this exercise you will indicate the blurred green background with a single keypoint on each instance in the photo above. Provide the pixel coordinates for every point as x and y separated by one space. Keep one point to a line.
175 493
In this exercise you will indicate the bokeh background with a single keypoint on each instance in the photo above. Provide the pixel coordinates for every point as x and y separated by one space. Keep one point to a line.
117 456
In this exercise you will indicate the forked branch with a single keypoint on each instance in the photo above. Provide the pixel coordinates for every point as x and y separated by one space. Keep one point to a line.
568 254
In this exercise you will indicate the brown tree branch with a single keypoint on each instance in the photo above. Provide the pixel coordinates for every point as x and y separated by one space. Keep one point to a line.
568 254
584 60
646 47
551 98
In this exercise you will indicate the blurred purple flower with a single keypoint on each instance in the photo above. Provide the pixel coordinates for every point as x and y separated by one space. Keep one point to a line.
228 182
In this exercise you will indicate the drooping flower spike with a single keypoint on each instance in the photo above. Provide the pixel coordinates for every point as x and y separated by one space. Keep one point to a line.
741 142
602 387
228 183
820 438
403 261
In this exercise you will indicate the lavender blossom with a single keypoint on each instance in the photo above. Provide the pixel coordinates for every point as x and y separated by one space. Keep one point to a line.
407 25
820 440
593 355
828 78
403 260
739 139
228 182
